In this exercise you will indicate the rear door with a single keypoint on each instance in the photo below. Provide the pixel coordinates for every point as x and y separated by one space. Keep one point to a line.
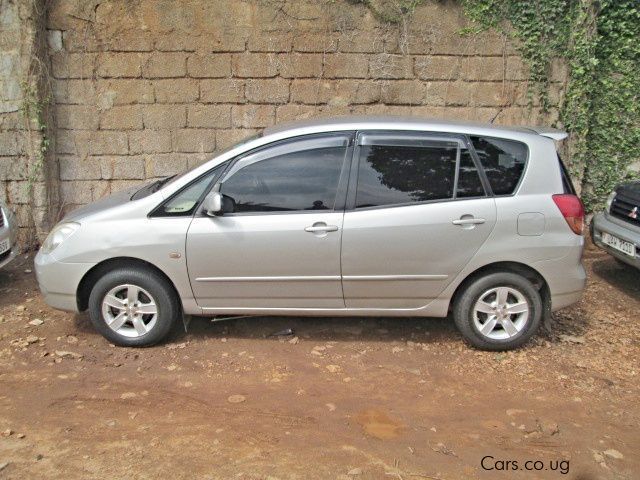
417 212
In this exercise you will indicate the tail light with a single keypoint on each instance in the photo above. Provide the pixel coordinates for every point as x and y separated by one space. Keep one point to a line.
572 210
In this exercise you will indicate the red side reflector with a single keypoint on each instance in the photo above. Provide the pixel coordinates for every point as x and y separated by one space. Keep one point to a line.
572 210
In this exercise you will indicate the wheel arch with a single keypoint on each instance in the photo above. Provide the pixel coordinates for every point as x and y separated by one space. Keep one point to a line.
522 269
89 279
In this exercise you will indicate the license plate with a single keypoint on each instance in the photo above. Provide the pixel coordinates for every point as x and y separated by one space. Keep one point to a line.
4 246
620 245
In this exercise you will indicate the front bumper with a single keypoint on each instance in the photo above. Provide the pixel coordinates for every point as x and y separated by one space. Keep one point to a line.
58 281
601 223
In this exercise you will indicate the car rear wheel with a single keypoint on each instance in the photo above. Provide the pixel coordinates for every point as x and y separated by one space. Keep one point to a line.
133 307
499 311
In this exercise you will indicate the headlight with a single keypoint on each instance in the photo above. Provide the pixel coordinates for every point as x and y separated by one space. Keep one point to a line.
610 199
58 235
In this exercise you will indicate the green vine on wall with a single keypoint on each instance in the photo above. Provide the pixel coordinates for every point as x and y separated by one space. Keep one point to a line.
538 26
32 109
600 41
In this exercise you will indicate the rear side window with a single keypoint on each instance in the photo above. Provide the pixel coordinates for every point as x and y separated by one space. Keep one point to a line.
503 161
411 173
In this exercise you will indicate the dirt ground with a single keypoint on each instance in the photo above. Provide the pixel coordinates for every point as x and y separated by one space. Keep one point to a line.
343 398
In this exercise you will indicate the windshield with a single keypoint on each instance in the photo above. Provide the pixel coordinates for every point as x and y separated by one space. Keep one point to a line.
156 185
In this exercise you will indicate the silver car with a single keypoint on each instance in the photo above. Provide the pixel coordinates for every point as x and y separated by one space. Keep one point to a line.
341 217
617 229
8 234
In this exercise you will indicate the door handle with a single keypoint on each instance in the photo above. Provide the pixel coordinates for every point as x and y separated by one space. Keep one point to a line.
468 221
321 227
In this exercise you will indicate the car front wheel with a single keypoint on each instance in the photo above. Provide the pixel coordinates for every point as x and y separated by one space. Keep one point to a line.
133 307
499 311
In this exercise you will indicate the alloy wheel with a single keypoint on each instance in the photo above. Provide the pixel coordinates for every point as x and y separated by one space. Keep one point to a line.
501 313
129 310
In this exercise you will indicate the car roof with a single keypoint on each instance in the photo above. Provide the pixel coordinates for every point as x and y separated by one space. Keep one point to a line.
327 124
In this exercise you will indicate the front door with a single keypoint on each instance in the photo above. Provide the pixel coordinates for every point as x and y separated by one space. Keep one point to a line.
417 213
278 246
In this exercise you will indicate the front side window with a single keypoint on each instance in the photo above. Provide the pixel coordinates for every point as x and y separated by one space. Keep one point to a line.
289 178
503 161
414 172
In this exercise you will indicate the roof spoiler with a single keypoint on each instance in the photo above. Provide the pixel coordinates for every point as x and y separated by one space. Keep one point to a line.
552 133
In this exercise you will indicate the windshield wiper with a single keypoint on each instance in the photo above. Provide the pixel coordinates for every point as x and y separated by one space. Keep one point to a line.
159 183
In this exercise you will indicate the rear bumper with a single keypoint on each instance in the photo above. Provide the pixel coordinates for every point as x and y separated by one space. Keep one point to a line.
566 278
562 300
601 223
58 281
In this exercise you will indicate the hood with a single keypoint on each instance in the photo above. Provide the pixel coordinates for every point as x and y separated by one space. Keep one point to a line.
110 201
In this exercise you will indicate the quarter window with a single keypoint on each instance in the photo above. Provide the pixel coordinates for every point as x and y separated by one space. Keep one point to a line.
185 201
306 179
503 161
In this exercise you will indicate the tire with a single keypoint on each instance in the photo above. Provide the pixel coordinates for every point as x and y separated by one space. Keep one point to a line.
136 326
509 330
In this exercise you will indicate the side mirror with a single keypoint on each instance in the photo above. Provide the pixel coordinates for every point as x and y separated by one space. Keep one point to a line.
213 204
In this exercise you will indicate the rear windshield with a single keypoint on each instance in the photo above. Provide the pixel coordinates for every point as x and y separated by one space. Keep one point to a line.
503 161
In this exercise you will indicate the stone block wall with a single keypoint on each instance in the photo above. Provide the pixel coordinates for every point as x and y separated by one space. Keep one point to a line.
28 171
147 88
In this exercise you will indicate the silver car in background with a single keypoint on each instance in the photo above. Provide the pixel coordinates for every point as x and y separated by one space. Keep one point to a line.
617 229
8 235
341 217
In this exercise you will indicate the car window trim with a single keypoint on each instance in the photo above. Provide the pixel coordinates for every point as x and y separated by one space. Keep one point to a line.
404 138
343 178
407 138
326 141
456 173
484 179
412 204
